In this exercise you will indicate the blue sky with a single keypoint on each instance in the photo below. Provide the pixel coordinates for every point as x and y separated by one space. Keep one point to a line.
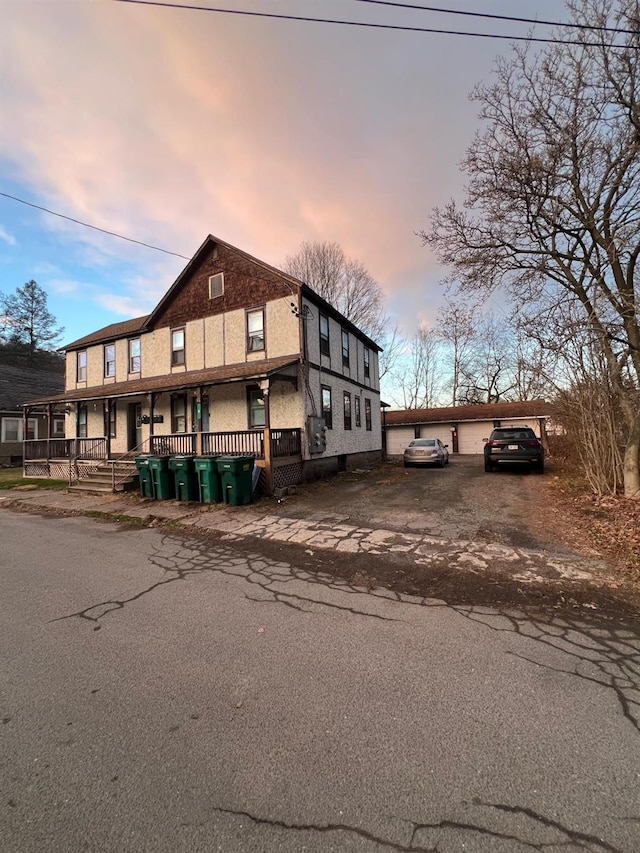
166 125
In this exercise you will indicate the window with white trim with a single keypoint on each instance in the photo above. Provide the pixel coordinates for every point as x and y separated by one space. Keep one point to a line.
255 330
109 360
216 285
11 429
134 355
81 366
177 346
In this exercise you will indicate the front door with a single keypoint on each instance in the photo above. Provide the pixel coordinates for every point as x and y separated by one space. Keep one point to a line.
134 430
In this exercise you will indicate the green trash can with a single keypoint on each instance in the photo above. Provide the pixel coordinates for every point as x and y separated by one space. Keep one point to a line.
209 488
184 476
144 476
235 475
162 481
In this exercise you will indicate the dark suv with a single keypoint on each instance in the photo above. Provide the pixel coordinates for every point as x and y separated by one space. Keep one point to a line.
514 444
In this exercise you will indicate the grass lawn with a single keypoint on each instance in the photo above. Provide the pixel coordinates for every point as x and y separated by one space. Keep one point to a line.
12 477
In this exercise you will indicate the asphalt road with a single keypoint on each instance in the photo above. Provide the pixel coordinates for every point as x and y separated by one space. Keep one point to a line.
158 693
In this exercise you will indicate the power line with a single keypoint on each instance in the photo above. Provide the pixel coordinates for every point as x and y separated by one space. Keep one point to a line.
492 17
369 25
94 227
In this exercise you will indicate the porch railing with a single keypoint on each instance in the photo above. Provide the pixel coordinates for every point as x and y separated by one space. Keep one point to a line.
242 443
65 448
168 445
285 442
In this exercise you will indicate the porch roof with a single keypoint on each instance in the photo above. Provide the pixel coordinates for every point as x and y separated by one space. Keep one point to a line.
243 372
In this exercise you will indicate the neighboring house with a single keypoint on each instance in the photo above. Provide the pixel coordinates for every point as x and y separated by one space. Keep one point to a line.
17 384
237 357
464 428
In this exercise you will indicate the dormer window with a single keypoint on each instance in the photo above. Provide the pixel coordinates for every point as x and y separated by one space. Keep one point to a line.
216 285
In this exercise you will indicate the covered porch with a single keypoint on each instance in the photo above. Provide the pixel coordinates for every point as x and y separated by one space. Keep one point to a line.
172 415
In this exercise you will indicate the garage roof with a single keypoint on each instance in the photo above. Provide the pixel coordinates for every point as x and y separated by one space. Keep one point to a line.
477 412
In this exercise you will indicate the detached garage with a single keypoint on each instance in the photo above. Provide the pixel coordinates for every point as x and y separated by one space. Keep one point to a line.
464 428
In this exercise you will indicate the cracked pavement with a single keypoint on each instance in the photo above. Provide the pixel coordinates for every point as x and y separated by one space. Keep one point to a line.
161 692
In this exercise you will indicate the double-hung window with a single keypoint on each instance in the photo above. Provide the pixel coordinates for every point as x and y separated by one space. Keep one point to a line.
113 419
347 410
134 355
255 330
81 366
109 360
324 335
177 347
367 414
327 411
356 407
11 429
255 405
366 363
345 348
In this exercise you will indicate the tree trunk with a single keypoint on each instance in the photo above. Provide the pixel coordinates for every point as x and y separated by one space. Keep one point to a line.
632 462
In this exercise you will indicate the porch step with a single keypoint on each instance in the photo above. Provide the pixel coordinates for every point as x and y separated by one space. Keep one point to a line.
100 480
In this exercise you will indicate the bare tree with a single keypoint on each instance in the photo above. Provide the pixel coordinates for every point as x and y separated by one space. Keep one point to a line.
456 328
488 375
553 192
343 283
416 382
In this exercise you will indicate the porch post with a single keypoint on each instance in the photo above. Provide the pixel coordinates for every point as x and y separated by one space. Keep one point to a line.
268 470
49 428
198 421
106 418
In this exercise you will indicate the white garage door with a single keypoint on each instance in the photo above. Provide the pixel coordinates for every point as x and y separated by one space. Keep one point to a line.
470 436
441 431
398 438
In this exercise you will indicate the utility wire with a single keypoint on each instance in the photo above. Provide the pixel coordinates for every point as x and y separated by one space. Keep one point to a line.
369 25
492 17
94 227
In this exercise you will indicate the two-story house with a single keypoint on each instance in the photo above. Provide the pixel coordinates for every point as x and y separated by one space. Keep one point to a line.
237 357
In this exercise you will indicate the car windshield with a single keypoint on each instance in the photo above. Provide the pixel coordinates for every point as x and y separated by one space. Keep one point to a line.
423 442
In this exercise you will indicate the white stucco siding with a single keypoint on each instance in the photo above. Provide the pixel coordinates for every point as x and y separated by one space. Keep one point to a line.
235 337
340 440
95 365
194 345
398 438
155 353
214 330
282 329
122 360
70 371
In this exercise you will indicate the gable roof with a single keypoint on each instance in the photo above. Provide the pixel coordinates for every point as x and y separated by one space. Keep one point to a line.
476 412
19 383
143 324
109 333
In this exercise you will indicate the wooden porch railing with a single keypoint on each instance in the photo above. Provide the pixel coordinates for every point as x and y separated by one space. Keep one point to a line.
246 442
65 448
169 445
284 442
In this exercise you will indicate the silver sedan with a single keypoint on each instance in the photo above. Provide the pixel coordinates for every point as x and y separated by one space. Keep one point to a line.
426 451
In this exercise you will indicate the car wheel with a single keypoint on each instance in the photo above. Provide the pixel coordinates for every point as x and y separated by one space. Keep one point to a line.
406 464
441 463
488 467
539 467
